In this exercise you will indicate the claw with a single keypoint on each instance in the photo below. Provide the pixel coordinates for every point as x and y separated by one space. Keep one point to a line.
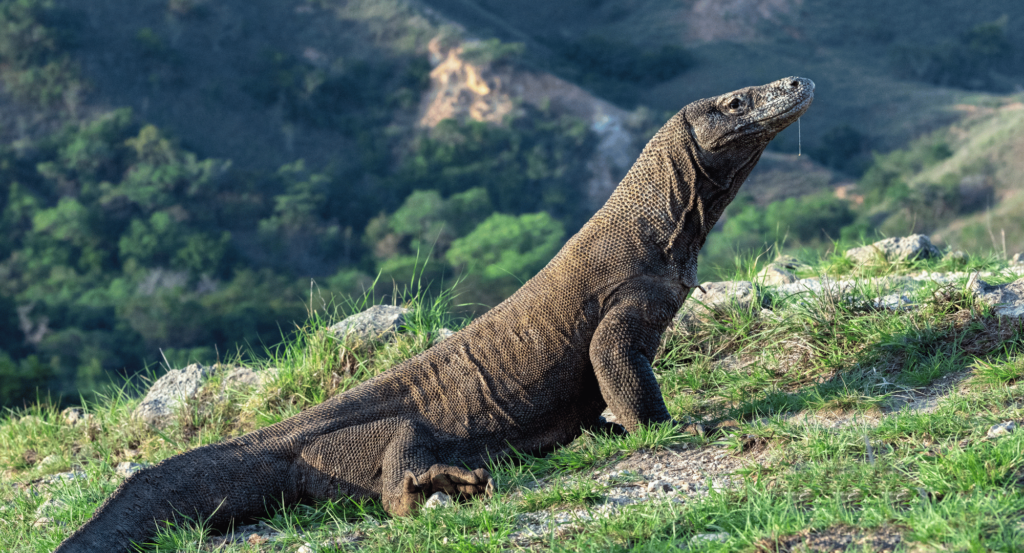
411 483
443 483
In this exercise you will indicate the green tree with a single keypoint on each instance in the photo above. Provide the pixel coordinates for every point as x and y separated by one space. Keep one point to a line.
508 245
531 163
795 222
151 243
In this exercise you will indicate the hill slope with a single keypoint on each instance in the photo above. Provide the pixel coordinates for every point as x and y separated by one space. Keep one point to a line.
858 426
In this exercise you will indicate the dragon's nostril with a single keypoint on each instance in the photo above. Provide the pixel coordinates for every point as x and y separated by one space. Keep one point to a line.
794 83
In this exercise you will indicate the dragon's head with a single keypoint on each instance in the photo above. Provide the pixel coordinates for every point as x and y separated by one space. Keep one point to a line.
730 131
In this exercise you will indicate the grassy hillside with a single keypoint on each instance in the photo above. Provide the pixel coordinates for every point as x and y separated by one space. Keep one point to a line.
860 429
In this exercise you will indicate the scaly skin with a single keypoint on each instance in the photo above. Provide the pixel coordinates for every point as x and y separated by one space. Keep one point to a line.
529 374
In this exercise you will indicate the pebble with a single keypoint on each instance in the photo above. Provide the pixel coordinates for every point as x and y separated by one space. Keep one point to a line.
65 476
438 499
720 537
127 468
49 460
659 486
1001 429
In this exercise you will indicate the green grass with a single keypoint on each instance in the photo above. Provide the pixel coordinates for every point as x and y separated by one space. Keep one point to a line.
932 476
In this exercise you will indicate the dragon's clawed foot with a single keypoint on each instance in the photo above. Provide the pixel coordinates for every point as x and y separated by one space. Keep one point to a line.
458 482
454 481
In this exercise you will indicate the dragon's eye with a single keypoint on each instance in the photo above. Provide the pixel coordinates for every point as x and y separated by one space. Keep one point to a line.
734 104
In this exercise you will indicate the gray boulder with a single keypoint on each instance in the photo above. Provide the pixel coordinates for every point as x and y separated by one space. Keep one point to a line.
789 263
443 334
720 296
817 286
891 250
774 275
1001 429
1007 299
73 416
169 392
379 322
240 378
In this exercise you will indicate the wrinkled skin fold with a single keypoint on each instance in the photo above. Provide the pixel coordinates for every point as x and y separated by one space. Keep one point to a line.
530 374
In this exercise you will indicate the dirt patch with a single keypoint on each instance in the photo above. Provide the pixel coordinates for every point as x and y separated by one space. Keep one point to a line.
834 539
680 474
926 399
491 92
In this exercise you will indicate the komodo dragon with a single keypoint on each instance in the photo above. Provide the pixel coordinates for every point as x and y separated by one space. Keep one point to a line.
529 374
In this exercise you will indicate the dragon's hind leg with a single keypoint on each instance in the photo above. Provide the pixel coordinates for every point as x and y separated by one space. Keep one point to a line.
413 469
397 459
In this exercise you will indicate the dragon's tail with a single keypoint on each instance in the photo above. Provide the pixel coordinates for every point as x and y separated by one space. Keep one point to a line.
215 484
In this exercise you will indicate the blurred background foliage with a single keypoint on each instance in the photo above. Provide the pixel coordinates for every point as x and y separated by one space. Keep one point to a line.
182 180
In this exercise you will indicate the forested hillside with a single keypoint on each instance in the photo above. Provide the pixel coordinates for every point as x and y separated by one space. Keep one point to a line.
182 180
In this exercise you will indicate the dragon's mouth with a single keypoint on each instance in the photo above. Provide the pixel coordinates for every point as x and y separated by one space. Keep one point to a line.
793 112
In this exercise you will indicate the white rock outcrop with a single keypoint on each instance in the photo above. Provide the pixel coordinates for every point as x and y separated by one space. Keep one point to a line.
1007 299
169 392
892 250
380 322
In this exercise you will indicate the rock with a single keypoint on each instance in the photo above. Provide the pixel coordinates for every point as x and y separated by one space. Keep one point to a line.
816 287
49 461
788 262
72 416
30 420
244 377
719 296
894 302
379 322
127 468
659 486
720 537
892 250
63 477
50 507
1001 429
257 539
241 377
773 275
169 392
305 548
438 499
955 255
444 334
1007 299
